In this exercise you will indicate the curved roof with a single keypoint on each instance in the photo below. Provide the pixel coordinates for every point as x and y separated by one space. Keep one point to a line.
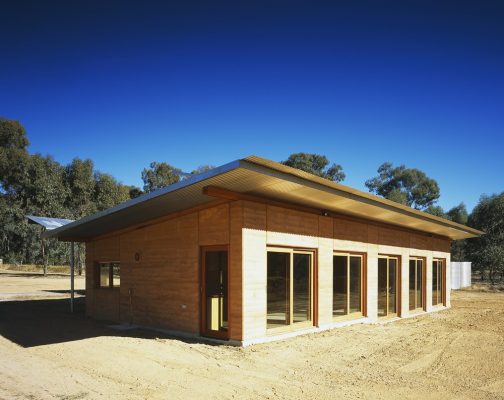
267 179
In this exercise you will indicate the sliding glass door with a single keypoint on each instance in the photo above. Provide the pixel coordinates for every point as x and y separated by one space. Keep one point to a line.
289 288
388 278
416 284
438 282
348 279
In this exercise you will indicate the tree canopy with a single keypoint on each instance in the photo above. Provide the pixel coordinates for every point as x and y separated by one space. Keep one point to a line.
487 252
202 168
316 164
458 214
158 175
39 185
408 186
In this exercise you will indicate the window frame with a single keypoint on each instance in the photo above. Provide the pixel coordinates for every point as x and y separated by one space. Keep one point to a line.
398 259
97 278
293 326
424 284
363 296
441 283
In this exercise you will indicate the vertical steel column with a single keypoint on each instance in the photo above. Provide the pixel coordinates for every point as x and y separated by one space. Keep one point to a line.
72 270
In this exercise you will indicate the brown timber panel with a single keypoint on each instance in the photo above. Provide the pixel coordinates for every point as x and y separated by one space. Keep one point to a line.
214 225
291 221
421 242
254 215
107 249
440 244
393 237
350 230
325 227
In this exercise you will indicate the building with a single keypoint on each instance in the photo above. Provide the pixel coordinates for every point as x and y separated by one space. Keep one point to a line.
255 251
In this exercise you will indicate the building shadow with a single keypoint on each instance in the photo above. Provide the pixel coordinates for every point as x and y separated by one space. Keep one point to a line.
81 292
30 323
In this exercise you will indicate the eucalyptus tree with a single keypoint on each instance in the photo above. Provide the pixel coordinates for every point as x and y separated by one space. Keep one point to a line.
316 164
408 186
487 252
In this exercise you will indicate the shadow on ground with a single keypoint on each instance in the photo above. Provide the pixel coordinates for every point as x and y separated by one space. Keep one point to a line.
81 292
38 322
30 323
34 275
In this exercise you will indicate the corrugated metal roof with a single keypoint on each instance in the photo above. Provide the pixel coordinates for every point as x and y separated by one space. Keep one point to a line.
49 223
257 176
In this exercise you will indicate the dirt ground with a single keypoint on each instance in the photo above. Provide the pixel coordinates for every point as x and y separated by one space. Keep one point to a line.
15 285
48 353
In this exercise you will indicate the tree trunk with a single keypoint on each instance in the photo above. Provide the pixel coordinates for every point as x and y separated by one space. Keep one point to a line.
79 259
44 259
491 275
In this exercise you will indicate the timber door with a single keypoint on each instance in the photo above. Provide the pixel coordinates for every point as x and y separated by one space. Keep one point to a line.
214 292
387 286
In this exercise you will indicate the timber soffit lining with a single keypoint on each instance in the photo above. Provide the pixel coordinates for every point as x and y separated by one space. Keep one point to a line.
257 176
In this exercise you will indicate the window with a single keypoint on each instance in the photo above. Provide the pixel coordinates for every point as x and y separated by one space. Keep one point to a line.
416 282
348 278
108 275
289 288
438 281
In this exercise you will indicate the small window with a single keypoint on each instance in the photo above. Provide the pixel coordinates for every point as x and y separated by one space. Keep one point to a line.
108 275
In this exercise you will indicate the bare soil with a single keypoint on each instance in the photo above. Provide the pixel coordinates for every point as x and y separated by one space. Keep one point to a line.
48 353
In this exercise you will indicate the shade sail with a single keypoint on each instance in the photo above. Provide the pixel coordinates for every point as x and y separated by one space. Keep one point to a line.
49 223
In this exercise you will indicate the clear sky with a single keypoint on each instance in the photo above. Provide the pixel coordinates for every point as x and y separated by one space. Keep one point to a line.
206 82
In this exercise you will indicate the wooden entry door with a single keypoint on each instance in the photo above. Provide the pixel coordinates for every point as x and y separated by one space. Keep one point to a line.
214 291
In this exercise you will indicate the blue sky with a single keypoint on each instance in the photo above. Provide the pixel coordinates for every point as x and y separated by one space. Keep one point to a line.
196 82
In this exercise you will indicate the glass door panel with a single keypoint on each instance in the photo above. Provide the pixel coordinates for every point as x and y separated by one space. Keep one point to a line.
382 287
412 284
437 282
434 282
355 284
278 289
215 293
419 284
340 285
387 286
301 293
416 284
392 286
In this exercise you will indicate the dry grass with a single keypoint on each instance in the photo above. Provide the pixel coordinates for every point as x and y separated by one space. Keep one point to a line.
52 269
485 287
